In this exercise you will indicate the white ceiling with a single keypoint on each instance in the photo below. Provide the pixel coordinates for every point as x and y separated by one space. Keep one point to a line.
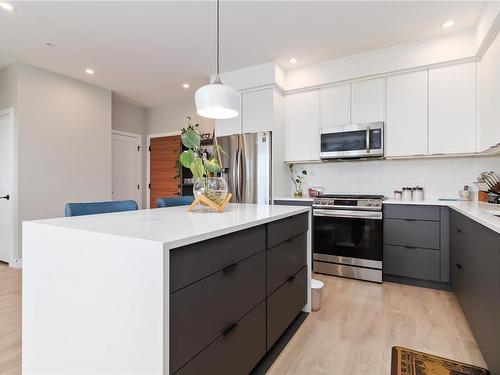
144 51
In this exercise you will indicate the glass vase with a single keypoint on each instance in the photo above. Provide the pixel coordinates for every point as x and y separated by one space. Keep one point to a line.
214 188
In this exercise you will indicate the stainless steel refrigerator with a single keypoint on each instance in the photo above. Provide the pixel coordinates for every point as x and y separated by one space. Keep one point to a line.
247 166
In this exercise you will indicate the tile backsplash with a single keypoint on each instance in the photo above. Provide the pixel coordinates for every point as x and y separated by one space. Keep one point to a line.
440 177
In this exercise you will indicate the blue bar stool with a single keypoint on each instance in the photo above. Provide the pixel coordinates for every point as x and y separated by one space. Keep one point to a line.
173 202
92 208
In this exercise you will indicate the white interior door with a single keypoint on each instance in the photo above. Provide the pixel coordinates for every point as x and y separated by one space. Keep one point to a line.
126 166
6 186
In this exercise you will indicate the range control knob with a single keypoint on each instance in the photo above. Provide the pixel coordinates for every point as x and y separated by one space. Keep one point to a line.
369 203
376 204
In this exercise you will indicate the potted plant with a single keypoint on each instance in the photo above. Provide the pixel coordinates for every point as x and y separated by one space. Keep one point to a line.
297 176
204 168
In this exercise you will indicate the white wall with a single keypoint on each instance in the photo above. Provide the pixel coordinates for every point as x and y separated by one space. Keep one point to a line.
8 87
130 118
172 118
406 56
64 143
441 177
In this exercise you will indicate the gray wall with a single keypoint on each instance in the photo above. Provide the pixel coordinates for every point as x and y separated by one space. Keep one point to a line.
64 142
173 118
132 119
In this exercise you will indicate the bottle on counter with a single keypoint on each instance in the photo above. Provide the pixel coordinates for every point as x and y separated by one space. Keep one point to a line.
398 195
407 194
418 193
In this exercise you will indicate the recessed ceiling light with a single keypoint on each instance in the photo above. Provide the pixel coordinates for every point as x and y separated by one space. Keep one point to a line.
185 85
447 24
6 6
89 71
293 60
49 44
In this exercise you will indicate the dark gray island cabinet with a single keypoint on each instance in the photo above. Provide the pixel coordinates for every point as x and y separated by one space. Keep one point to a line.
233 296
475 279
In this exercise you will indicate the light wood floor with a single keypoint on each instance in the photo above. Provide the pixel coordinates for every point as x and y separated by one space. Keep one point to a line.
352 334
359 323
10 320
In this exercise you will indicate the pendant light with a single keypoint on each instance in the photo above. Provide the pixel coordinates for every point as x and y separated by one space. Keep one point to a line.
216 100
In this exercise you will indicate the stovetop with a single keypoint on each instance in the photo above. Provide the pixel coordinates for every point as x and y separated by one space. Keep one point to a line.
368 202
351 196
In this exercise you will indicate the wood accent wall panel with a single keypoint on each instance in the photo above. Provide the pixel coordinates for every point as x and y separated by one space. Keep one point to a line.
164 175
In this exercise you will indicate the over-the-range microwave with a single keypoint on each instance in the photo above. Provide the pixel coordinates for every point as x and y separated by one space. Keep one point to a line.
353 141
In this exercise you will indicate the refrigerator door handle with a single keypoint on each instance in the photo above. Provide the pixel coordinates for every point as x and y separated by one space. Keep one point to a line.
243 170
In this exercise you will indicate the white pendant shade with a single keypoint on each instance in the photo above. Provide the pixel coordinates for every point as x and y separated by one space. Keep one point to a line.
217 101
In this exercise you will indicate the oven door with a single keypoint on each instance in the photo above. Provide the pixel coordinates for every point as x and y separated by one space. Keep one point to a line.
361 140
348 237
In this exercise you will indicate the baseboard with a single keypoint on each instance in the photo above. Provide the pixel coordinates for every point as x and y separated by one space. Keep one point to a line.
16 263
417 282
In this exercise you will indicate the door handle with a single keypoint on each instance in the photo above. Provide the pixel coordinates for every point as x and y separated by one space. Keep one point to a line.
5 197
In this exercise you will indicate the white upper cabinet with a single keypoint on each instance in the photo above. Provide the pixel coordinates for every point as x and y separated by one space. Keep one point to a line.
452 109
335 106
489 129
257 111
229 126
406 128
367 100
302 126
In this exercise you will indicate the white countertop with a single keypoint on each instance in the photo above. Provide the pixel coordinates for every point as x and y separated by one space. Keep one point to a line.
175 226
475 210
304 199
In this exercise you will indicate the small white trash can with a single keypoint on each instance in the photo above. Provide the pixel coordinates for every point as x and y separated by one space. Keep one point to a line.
316 292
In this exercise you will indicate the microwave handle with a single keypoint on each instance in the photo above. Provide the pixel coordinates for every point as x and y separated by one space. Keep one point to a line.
368 140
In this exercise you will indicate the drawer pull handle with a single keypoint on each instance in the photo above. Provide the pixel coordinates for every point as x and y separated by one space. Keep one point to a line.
459 266
459 230
229 268
289 240
291 278
410 247
229 329
410 219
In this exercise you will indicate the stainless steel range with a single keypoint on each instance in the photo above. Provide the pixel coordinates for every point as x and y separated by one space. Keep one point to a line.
348 236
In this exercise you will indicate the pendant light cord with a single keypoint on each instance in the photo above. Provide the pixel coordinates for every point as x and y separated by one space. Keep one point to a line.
217 77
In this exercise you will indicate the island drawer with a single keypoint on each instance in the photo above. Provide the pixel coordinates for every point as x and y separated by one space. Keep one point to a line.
282 230
194 262
202 311
416 263
235 352
284 305
412 212
425 234
284 260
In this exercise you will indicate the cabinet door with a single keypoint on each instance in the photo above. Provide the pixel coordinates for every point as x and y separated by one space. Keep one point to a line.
406 128
302 126
335 106
367 100
228 126
452 109
489 134
257 111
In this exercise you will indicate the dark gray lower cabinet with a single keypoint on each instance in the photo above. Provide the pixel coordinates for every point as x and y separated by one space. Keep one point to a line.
237 351
284 305
416 246
475 279
231 298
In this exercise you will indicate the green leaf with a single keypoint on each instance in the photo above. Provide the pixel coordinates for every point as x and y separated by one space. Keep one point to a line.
186 158
212 165
191 139
197 168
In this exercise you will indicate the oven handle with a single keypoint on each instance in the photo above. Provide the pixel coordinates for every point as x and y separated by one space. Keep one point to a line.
349 214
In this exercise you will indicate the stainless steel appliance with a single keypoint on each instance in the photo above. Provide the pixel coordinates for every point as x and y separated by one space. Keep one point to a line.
247 166
347 237
353 141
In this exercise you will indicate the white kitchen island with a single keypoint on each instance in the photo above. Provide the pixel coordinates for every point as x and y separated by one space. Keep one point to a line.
96 289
